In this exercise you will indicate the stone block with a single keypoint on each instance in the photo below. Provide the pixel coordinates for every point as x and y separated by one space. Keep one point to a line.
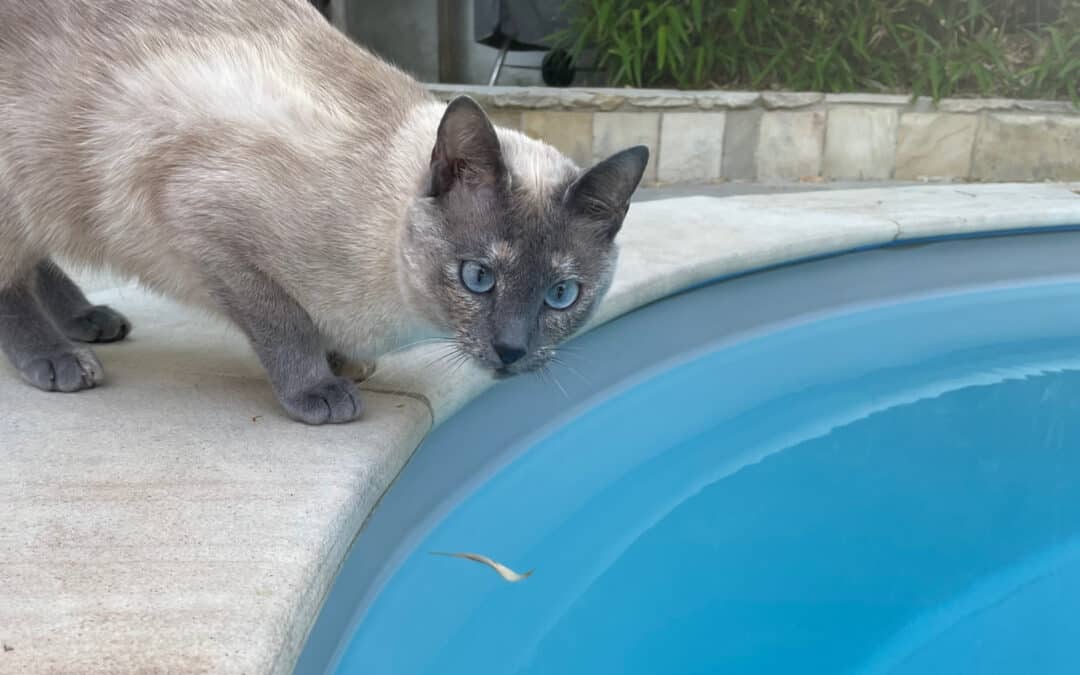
790 145
868 99
661 98
935 145
1021 147
1006 104
509 119
923 104
741 129
860 142
731 100
617 131
569 99
570 132
691 146
790 99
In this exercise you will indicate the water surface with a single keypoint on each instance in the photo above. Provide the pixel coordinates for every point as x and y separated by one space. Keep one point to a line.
901 509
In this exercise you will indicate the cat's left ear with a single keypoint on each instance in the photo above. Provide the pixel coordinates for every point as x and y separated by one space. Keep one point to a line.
467 150
602 194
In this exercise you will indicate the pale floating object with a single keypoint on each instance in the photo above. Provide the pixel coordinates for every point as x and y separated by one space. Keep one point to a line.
505 572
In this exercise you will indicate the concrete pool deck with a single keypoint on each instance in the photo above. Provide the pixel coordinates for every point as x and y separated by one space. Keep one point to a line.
174 521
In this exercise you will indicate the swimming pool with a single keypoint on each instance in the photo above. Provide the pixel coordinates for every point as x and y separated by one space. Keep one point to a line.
862 464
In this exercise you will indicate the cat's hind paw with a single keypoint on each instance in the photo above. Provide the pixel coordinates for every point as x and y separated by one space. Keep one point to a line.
97 324
357 371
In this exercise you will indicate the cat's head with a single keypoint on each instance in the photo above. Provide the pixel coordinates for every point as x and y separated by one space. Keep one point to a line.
513 246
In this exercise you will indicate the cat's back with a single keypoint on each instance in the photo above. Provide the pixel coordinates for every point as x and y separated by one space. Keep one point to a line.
93 90
83 42
38 38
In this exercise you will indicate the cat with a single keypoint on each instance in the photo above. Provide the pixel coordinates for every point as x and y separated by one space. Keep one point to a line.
246 157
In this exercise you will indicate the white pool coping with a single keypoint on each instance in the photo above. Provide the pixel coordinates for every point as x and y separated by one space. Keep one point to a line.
174 521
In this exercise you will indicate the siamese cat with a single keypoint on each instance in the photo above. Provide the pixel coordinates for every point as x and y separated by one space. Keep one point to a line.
246 157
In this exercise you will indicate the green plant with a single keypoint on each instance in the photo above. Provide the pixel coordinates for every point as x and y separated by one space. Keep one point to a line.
1023 48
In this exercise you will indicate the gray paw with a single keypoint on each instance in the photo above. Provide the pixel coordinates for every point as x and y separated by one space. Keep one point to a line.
65 371
333 400
97 324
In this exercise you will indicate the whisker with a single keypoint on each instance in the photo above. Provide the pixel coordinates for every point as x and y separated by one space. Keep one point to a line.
558 384
548 378
573 370
539 378
461 363
452 362
569 352
456 359
539 373
448 352
425 341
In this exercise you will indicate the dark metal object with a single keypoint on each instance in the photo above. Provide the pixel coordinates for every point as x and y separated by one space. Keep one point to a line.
500 59
557 68
518 26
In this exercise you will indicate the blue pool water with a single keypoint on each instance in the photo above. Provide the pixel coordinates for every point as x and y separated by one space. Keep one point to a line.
839 496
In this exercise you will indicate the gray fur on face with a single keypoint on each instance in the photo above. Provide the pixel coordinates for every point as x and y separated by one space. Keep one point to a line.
531 234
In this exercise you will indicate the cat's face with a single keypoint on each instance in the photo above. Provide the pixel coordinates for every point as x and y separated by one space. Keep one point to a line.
513 247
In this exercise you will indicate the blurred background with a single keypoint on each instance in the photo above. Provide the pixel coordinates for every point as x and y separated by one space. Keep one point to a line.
938 48
438 40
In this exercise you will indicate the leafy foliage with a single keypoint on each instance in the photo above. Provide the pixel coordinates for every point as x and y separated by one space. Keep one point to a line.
1015 48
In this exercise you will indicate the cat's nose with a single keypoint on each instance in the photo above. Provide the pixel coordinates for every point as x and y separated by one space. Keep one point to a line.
508 353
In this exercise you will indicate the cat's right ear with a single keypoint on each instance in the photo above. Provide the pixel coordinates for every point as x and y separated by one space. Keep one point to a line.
467 150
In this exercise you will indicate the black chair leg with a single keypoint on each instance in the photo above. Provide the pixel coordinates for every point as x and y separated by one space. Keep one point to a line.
500 58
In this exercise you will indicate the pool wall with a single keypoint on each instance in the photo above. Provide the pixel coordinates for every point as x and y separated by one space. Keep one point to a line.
488 432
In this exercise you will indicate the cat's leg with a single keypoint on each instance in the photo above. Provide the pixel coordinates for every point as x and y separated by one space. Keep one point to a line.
289 346
35 346
72 312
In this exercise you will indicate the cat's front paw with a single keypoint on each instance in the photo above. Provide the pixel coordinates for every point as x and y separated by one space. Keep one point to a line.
331 401
64 370
97 324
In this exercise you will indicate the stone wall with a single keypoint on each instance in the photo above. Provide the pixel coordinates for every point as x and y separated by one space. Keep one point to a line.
780 136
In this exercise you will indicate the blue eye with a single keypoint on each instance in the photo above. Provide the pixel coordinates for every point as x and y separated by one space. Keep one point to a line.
562 294
476 277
